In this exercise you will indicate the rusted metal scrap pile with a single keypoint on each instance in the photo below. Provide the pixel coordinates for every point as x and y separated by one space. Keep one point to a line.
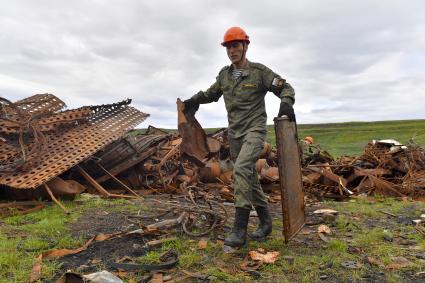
386 167
92 148
39 141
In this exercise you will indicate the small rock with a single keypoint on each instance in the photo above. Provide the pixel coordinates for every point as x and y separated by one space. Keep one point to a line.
137 246
323 277
228 249
350 264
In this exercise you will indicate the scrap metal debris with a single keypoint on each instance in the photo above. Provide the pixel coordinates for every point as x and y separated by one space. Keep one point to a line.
39 142
386 167
92 148
263 256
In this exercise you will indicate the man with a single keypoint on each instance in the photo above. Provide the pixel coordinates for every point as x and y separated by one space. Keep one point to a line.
311 152
243 85
307 150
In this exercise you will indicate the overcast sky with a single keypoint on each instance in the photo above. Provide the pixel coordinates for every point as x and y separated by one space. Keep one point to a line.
347 60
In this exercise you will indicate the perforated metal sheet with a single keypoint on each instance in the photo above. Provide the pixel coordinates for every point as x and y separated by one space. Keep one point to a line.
39 103
49 123
68 148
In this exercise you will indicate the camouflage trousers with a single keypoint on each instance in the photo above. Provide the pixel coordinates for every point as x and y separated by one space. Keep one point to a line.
244 152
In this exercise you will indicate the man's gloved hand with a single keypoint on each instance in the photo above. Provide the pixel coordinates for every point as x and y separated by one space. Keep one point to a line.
288 110
190 104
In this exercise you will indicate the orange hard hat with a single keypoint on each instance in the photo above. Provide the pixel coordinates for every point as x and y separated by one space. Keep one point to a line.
310 140
234 34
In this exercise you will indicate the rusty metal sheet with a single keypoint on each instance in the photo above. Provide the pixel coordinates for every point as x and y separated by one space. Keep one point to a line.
123 154
329 175
40 103
291 186
62 187
194 144
127 149
46 124
34 105
68 148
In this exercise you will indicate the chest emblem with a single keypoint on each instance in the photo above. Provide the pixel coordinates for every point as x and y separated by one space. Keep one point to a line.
249 85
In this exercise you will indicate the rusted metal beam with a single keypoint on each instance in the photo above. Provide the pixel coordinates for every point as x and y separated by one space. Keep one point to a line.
52 196
93 182
119 181
98 186
291 186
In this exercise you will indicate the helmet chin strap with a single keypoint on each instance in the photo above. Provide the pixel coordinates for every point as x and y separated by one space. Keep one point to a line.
243 52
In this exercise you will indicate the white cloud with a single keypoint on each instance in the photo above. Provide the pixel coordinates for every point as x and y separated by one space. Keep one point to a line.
347 60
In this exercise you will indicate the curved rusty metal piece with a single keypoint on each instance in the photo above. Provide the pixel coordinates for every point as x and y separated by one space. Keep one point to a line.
196 145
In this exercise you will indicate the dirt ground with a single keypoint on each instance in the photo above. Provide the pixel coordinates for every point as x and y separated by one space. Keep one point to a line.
307 250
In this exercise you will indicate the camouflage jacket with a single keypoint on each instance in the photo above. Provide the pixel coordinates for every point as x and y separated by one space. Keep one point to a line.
244 98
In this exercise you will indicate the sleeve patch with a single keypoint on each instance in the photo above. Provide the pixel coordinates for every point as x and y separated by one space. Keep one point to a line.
278 82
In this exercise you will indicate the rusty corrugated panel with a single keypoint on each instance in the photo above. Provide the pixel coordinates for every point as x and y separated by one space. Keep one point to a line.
66 148
126 149
125 153
290 177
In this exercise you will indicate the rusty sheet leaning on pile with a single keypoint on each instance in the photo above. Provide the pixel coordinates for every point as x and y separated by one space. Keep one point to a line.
38 142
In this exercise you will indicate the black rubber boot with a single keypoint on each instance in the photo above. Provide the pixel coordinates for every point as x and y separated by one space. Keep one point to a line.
266 224
237 237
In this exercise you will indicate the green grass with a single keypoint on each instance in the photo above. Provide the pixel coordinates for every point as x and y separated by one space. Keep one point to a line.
24 237
350 138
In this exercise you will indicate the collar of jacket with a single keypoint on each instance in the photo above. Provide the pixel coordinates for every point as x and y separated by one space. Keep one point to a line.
245 72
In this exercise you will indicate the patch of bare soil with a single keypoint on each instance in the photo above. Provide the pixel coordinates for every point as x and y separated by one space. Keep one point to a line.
101 255
95 222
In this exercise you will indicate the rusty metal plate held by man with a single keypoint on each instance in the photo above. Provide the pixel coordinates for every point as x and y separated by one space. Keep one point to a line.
290 177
